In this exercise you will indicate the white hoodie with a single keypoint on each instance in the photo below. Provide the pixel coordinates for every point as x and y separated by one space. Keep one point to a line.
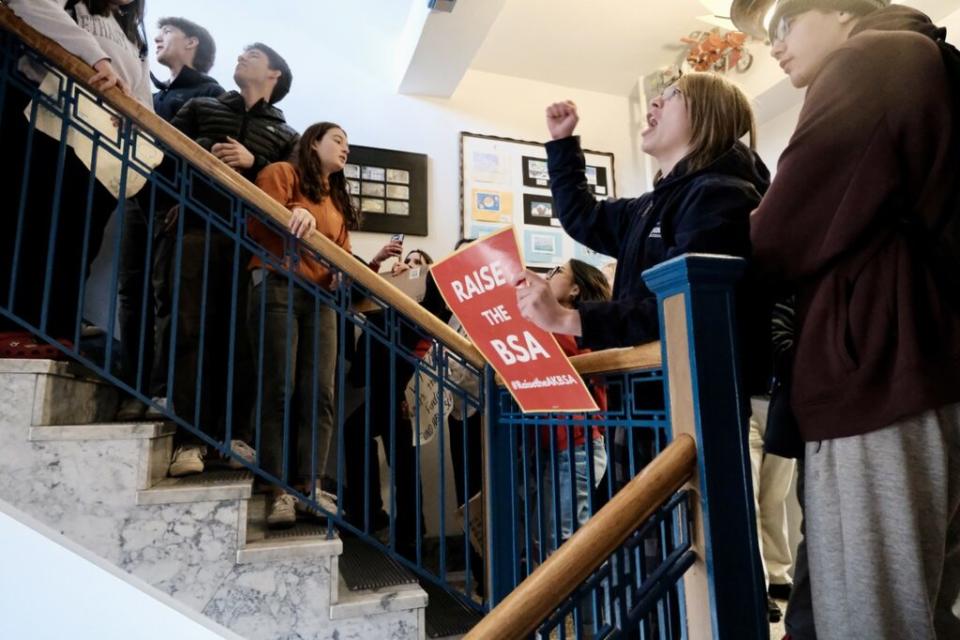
91 38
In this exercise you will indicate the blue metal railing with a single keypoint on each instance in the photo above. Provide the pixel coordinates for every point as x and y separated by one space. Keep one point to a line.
549 500
217 353
212 370
630 590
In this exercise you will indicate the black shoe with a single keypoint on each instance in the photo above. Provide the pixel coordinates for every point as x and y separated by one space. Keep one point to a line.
780 591
774 614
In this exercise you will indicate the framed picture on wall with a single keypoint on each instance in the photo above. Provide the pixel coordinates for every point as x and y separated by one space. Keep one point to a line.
535 172
543 247
538 210
390 189
597 180
504 181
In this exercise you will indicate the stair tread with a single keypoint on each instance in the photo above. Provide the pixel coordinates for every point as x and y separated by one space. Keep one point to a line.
353 604
101 431
50 367
292 537
202 487
217 478
302 541
446 616
364 567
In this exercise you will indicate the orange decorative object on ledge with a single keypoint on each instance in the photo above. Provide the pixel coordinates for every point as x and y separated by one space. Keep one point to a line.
717 51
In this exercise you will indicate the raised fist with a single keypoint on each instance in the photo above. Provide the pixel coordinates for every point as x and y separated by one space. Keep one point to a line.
562 119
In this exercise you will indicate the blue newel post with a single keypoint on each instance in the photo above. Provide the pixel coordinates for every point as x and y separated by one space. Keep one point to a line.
724 592
499 496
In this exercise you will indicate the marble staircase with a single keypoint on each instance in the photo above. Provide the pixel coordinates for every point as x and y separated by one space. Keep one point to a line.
201 539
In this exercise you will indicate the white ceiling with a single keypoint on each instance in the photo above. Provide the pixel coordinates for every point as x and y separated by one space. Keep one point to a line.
597 45
606 45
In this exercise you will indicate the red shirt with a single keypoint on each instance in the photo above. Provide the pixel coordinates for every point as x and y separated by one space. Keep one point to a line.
570 348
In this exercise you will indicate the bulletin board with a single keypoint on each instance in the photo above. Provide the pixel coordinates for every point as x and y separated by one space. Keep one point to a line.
505 181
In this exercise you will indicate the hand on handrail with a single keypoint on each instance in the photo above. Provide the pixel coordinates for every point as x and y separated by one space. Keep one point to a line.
302 222
106 77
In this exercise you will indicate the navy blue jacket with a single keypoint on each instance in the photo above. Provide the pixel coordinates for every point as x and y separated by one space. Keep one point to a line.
707 211
188 84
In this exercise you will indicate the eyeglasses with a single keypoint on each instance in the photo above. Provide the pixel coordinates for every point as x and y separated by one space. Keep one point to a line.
553 272
783 28
670 92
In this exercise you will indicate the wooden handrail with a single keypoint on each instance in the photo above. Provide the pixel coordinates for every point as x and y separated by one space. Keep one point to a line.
239 186
610 360
646 356
546 588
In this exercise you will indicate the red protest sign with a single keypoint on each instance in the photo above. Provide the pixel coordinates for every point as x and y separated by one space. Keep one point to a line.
475 282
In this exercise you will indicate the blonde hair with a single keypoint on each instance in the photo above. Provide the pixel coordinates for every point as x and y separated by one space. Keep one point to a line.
720 115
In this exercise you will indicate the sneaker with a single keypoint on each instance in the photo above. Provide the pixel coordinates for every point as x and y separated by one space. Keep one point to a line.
152 412
130 410
282 513
327 502
242 450
187 460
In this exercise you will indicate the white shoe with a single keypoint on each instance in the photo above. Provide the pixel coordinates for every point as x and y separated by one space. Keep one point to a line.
242 450
187 460
282 513
326 501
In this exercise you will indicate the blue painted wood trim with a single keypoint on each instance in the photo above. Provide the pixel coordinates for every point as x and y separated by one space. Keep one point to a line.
721 410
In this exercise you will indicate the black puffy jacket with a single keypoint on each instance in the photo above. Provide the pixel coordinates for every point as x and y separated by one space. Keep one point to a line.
188 84
705 211
262 130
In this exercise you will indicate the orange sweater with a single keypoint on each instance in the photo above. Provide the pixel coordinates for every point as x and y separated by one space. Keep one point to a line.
281 181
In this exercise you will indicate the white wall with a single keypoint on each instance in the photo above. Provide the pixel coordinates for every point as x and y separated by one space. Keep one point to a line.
51 588
774 134
490 104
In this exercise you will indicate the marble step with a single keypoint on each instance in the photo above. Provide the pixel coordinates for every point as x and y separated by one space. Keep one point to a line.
102 431
66 393
49 367
203 487
304 540
357 604
300 542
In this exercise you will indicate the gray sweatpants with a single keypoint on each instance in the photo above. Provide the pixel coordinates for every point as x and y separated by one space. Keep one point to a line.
883 526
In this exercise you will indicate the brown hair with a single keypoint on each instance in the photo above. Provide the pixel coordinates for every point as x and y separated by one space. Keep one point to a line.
788 8
593 284
311 175
720 114
206 51
129 17
424 256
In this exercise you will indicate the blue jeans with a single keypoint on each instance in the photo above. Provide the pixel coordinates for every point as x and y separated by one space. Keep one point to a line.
581 483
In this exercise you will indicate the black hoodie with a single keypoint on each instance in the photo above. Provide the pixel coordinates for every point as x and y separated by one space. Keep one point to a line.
188 84
706 211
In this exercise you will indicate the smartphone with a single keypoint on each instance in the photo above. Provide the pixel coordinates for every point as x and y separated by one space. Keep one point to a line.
397 237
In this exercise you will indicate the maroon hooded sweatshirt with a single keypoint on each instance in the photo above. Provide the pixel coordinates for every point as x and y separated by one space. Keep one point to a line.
878 338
